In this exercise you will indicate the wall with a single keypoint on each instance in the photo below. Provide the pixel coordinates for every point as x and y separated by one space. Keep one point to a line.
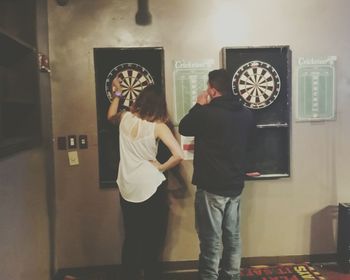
26 192
23 215
293 216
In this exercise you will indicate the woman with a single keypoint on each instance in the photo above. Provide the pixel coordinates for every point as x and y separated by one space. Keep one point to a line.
141 181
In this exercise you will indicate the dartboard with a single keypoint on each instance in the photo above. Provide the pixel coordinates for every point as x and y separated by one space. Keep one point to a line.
257 83
132 77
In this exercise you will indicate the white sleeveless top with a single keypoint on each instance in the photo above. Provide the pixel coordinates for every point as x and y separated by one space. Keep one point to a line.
138 179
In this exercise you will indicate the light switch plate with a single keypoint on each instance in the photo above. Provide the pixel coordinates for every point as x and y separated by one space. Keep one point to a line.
73 158
72 141
83 142
61 143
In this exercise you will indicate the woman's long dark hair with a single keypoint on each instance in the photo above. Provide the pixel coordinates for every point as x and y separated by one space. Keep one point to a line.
150 105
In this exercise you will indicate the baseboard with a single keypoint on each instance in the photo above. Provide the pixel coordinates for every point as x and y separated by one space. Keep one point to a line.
179 267
320 258
249 261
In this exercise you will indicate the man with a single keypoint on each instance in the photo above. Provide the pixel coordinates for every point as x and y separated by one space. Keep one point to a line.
222 128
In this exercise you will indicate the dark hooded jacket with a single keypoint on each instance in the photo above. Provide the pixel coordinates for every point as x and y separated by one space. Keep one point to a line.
223 130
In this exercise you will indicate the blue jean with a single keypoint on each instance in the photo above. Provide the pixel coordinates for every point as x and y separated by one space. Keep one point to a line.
218 228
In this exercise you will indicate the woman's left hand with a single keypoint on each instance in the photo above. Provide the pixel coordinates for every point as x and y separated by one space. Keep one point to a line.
116 85
156 164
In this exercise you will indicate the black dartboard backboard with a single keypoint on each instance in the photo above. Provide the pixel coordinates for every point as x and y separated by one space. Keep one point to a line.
136 68
261 79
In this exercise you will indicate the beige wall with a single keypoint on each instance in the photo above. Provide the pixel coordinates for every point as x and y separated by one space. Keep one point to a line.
293 216
24 217
26 191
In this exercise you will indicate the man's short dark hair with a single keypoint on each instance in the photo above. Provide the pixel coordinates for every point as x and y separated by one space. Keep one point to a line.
220 80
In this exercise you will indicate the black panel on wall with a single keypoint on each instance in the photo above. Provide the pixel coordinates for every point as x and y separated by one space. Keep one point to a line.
270 154
136 67
261 78
343 243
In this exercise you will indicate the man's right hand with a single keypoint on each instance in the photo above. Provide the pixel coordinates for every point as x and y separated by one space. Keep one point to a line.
203 98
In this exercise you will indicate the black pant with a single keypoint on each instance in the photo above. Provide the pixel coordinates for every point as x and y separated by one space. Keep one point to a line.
145 225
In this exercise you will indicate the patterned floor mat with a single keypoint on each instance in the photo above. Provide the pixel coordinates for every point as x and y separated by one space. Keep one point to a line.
281 272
